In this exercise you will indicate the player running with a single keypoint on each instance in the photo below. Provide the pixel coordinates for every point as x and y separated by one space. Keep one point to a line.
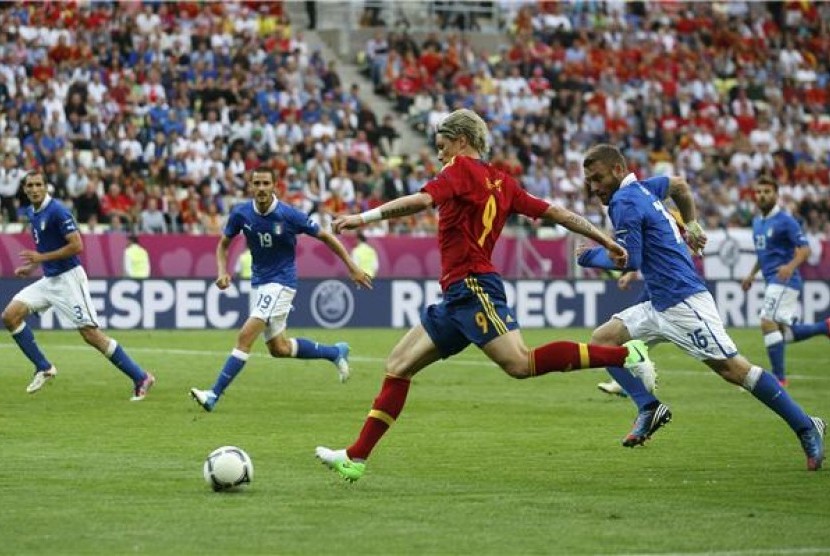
680 309
64 286
271 228
474 200
781 248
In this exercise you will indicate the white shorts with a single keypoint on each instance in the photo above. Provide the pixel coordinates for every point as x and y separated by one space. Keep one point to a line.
68 293
693 325
271 304
780 304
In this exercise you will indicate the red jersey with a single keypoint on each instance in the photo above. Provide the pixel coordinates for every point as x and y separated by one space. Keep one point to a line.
474 200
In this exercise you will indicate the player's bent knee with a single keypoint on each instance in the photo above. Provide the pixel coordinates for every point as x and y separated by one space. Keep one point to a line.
516 370
278 351
12 317
279 348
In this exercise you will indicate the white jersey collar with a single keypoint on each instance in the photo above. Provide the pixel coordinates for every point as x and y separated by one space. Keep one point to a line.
775 210
46 200
271 209
628 180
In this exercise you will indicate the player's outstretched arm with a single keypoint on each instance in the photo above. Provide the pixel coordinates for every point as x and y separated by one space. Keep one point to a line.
357 275
580 225
402 206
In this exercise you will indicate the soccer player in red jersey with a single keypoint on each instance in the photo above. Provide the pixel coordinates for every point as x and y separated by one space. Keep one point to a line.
474 200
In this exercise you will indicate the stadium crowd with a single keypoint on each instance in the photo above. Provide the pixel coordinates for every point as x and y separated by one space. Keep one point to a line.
146 116
717 92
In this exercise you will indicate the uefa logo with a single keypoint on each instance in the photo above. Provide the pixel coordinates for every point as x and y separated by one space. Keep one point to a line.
332 304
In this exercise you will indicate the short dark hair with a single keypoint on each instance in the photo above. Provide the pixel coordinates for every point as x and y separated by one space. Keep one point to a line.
767 180
605 154
25 179
263 170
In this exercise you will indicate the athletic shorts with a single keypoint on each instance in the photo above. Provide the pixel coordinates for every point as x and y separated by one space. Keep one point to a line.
473 311
68 293
693 325
780 304
271 304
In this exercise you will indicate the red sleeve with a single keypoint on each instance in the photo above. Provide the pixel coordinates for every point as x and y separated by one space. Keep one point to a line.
447 184
527 204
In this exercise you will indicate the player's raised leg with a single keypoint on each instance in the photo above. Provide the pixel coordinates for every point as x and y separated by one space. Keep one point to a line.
303 348
801 332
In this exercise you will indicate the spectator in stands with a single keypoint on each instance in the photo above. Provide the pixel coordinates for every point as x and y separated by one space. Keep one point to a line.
10 176
136 259
152 219
88 205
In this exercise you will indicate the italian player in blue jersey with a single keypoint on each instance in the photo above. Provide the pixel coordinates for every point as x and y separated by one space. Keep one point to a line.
64 286
781 248
680 309
271 228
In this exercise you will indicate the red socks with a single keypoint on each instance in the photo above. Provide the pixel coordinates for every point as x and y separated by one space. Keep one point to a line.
555 356
385 409
569 356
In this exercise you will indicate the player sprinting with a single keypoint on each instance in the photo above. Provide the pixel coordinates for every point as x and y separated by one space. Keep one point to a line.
64 286
474 201
781 248
680 310
271 228
612 387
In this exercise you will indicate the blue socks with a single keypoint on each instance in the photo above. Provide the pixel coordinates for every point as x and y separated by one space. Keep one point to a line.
766 388
308 349
804 331
233 366
774 341
633 386
25 339
124 362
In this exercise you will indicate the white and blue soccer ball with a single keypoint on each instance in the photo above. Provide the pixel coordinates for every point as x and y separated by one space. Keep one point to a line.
227 468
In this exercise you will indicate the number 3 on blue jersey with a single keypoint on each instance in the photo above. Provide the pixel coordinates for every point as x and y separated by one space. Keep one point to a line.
672 222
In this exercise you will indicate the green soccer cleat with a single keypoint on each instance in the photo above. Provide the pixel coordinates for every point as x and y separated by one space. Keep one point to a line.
639 363
338 460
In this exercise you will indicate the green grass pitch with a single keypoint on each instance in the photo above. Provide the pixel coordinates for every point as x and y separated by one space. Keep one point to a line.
478 463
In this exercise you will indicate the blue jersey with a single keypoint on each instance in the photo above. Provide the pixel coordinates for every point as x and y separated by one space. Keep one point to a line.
655 247
50 225
776 238
272 239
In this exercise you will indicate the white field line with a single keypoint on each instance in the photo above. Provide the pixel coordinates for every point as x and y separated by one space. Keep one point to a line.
747 552
459 361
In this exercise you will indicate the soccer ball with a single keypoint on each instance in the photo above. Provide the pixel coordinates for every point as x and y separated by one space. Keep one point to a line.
228 467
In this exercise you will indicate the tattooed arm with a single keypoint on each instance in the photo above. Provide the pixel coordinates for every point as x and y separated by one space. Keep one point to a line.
580 225
402 206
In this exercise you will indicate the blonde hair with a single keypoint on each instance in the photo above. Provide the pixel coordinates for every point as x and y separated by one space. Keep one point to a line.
465 123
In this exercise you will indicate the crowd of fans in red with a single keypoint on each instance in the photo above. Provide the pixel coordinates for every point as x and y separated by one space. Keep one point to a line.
718 92
147 116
